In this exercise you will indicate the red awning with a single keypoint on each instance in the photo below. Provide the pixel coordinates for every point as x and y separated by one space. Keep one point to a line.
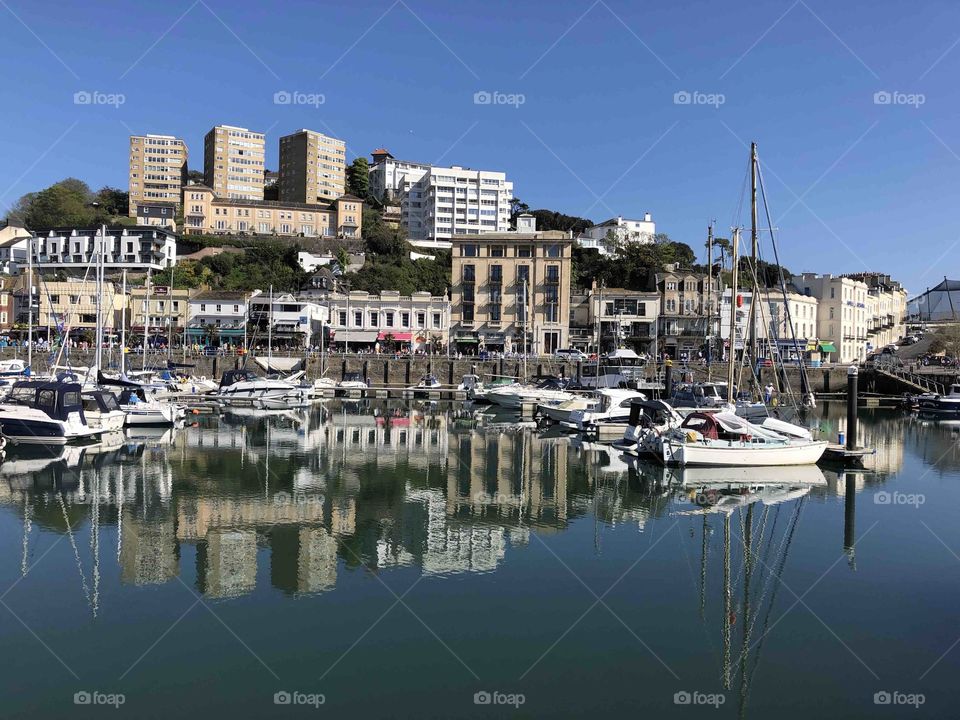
398 336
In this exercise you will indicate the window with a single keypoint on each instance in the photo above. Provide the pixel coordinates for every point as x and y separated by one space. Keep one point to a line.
343 318
523 251
436 321
496 251
374 317
389 318
468 250
358 318
405 319
469 273
552 293
421 320
553 251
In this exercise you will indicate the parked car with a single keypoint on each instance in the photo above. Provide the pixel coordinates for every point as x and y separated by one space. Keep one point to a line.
909 340
571 354
889 350
937 361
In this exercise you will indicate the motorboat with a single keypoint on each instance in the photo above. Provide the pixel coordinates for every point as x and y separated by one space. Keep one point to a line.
294 401
477 390
948 404
13 367
513 396
352 381
427 384
45 413
141 411
647 418
614 407
244 386
724 439
700 395
620 368
559 411
102 410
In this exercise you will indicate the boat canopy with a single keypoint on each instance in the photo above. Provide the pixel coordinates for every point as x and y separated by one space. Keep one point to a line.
621 354
230 377
57 399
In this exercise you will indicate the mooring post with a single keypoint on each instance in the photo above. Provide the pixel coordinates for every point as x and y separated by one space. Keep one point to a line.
852 373
667 377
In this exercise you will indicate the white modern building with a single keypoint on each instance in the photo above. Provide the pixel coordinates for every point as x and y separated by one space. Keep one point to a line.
772 322
440 203
616 231
842 317
294 321
126 248
219 315
14 242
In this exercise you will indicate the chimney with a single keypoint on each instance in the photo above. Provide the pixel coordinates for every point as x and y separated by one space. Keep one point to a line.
647 217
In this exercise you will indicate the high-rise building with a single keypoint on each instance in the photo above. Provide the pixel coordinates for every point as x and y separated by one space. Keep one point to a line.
312 167
233 162
439 204
158 170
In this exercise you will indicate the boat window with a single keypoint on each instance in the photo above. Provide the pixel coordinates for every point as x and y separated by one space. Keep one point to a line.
110 401
71 399
46 398
23 395
90 403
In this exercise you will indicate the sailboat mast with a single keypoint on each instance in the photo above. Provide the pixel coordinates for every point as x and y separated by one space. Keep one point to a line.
100 319
709 335
30 305
123 327
146 321
734 288
270 333
753 254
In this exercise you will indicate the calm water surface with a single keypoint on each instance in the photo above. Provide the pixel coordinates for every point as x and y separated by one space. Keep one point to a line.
406 561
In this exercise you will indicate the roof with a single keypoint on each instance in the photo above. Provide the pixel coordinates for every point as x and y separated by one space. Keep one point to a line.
276 204
220 295
946 286
539 235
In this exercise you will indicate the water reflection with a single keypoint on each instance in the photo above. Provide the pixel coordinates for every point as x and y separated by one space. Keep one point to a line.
380 486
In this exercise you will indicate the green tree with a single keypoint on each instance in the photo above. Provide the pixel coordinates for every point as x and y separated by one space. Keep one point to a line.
113 201
343 258
358 178
63 204
380 238
517 207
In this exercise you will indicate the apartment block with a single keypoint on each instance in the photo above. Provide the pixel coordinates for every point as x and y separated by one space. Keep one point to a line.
206 213
70 305
842 315
312 167
511 290
886 309
164 309
440 204
158 171
416 323
233 160
124 248
686 316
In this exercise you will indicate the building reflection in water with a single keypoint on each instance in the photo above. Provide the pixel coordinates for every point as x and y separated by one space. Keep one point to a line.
357 484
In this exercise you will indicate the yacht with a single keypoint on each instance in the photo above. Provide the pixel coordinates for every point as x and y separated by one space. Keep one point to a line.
352 381
619 368
141 411
647 417
427 384
513 396
477 390
724 439
559 411
244 386
948 404
45 413
102 410
615 404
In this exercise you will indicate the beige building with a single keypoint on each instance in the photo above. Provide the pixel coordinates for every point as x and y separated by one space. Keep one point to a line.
685 312
841 317
233 162
511 290
158 171
886 309
206 213
773 322
72 304
312 168
167 309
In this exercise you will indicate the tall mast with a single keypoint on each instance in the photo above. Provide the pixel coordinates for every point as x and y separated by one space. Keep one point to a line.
123 328
731 354
753 255
270 334
170 317
146 321
30 304
709 295
99 334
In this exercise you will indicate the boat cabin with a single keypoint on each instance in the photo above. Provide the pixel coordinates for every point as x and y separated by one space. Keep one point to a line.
99 401
58 400
231 377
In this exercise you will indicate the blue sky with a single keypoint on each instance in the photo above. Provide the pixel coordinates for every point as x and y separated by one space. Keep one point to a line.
853 184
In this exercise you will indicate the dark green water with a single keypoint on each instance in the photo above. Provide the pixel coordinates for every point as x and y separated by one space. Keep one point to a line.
398 560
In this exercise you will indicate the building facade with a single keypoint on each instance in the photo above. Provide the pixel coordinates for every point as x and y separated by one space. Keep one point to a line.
14 245
286 320
312 168
125 248
218 316
233 160
440 204
511 291
414 323
841 317
686 317
158 170
772 322
886 309
205 213
624 318
165 311
64 305
608 235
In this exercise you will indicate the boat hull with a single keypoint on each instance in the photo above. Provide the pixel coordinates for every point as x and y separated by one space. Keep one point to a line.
738 454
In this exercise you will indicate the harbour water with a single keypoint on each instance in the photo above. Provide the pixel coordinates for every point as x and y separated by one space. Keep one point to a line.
401 559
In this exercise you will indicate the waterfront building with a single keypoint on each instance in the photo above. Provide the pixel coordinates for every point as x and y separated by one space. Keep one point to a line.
158 172
166 312
841 316
312 168
233 160
7 305
294 322
218 316
14 243
886 309
205 213
684 312
438 204
772 322
63 305
608 235
416 323
126 248
511 290
624 318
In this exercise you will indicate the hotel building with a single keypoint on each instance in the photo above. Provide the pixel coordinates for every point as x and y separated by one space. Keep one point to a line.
158 171
842 315
312 168
511 290
418 323
233 162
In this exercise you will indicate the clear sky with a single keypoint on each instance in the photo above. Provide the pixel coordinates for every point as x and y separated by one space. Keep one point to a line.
853 183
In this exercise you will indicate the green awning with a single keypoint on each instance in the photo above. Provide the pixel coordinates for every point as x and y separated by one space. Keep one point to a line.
828 347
